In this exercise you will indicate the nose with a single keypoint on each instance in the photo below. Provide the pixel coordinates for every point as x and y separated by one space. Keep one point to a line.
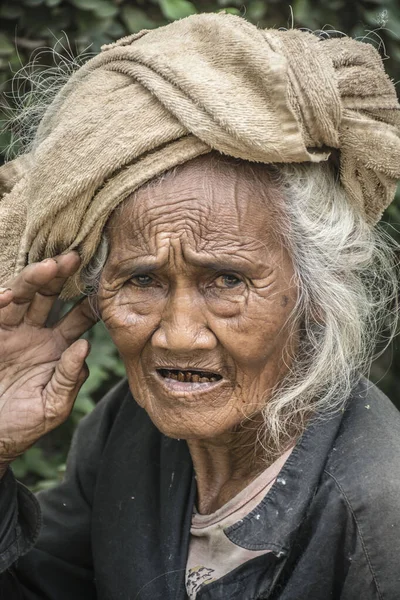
183 325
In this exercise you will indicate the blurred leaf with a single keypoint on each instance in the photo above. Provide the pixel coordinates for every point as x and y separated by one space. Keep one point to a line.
177 9
393 30
307 15
227 4
115 30
135 19
231 11
85 4
256 10
84 404
19 467
92 25
61 21
36 463
6 47
33 2
393 211
10 11
5 138
101 8
105 9
45 484
48 482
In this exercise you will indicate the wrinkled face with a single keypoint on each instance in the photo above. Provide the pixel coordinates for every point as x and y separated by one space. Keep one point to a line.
197 294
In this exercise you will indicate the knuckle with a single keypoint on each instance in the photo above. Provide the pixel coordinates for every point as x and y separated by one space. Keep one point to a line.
56 409
56 412
63 378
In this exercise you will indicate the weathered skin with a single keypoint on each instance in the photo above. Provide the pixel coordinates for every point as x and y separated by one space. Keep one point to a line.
41 369
195 279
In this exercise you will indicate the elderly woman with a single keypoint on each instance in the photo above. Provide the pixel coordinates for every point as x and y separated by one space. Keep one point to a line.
213 189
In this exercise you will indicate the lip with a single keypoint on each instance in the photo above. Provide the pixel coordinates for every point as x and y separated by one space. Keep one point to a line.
186 388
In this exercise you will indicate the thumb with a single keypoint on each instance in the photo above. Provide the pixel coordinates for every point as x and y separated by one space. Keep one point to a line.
69 375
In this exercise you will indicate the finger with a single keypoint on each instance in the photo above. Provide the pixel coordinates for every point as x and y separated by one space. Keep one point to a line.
6 296
35 277
79 319
43 301
23 289
69 375
39 309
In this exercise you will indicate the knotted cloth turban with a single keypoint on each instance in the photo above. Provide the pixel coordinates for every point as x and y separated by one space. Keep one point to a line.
159 98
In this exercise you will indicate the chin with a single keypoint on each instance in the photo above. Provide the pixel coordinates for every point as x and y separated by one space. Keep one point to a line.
193 425
187 416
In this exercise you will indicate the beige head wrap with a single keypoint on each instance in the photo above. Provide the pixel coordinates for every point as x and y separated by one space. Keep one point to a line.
160 98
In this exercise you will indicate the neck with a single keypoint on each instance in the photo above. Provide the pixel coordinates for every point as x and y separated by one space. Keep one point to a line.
224 466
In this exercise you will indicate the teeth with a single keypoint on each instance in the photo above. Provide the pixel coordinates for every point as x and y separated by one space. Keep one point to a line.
188 376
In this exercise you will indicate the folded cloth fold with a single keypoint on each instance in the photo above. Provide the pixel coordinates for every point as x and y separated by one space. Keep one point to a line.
159 98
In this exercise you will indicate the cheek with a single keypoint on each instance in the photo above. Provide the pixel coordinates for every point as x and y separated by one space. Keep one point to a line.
257 335
225 305
130 322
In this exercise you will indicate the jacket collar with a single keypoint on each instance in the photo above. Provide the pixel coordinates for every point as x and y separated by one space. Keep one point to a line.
273 524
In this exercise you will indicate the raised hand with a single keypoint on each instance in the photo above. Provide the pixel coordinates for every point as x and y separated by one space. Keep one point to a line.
41 368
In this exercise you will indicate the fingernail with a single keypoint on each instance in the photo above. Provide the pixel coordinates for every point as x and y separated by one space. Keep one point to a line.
4 290
47 260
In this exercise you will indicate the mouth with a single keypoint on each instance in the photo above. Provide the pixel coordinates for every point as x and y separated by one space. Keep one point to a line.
188 380
192 376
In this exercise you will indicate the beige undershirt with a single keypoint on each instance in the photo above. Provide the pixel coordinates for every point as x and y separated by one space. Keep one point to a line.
211 553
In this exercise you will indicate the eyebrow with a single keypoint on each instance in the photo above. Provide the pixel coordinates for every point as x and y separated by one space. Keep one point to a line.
149 264
140 266
217 264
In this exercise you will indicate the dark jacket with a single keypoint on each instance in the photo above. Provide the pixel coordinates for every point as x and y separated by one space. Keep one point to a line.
118 527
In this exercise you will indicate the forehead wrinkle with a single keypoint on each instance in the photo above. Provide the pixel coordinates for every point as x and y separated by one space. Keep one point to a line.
214 257
169 209
229 243
233 197
250 199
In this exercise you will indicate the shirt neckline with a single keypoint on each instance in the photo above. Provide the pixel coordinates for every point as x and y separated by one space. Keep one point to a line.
263 481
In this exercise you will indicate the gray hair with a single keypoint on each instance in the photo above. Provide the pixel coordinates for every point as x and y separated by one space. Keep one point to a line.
346 277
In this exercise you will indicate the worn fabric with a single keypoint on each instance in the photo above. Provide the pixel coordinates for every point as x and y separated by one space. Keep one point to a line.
118 527
159 98
211 553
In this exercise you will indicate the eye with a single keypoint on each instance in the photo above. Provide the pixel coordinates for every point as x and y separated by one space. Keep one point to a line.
227 280
142 280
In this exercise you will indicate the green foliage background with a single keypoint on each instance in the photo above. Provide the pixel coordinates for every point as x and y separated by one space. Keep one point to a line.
73 27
